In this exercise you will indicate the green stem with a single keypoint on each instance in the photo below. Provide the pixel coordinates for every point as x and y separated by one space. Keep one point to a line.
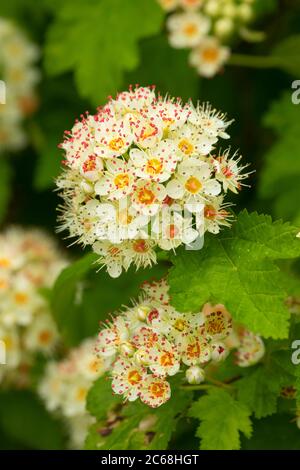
261 62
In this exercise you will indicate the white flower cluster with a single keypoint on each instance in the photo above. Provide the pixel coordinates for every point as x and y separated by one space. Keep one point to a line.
208 27
65 385
151 341
143 173
18 78
29 263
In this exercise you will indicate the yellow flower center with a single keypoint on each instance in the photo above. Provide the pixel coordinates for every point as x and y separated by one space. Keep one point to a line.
81 394
8 342
121 180
210 212
210 54
4 263
94 365
45 337
193 185
134 377
146 196
21 298
116 144
157 389
180 325
167 359
154 166
190 29
215 323
149 130
186 147
193 349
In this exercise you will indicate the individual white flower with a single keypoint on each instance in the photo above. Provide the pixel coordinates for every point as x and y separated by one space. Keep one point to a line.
209 56
215 216
228 171
155 391
128 378
217 321
42 334
194 184
117 181
194 350
140 252
192 141
112 256
187 29
172 230
156 164
148 196
112 138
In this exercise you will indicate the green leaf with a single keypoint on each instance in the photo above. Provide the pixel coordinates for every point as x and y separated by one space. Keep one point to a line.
279 180
168 69
23 418
260 390
98 39
100 398
48 128
237 269
5 186
274 433
286 54
82 297
222 419
140 427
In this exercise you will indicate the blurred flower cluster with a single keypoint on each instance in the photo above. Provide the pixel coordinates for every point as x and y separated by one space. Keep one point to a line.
208 28
18 79
65 385
151 341
143 173
29 263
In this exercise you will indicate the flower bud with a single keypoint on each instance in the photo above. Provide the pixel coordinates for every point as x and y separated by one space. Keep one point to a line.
224 27
142 312
195 375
